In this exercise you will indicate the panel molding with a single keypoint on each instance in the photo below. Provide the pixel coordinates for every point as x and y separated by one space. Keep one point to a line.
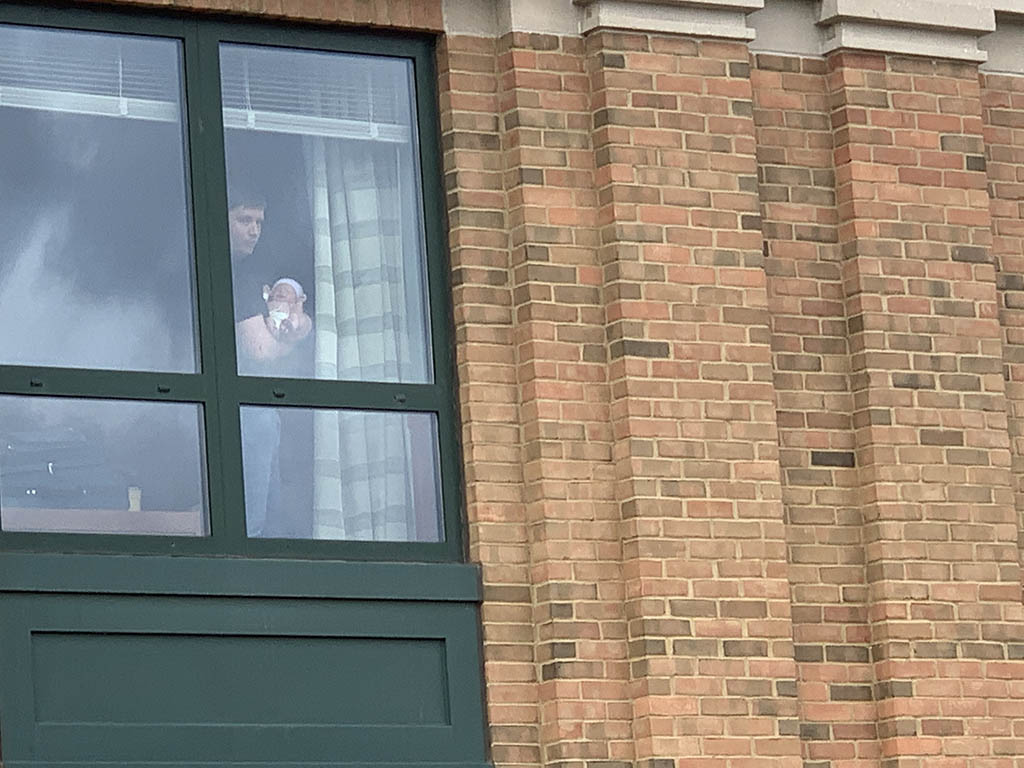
277 614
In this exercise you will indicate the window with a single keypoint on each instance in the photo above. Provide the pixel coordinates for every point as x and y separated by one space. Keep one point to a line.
228 473
223 278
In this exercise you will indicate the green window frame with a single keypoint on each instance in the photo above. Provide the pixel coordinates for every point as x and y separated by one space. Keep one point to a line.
217 387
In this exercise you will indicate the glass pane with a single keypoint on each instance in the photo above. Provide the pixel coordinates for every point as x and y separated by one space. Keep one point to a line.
324 215
101 466
341 474
96 256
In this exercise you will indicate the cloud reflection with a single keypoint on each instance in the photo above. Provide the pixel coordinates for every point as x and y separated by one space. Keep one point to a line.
51 321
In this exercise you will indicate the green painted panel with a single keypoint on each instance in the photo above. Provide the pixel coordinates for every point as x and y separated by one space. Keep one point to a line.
194 678
199 679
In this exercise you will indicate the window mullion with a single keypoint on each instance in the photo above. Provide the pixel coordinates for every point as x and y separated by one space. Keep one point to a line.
438 277
202 85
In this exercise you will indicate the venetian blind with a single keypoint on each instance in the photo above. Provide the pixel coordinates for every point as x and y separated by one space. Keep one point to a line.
332 95
87 73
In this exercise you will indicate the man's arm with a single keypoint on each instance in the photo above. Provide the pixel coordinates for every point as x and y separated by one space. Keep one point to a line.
258 342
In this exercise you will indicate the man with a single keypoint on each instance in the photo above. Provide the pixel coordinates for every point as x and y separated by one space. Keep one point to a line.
261 425
251 273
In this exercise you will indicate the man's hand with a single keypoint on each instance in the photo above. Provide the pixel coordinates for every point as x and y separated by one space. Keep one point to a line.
295 328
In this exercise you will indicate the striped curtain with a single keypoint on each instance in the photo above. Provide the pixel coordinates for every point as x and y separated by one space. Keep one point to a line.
365 330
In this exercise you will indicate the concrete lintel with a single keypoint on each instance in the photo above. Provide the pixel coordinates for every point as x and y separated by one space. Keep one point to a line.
714 18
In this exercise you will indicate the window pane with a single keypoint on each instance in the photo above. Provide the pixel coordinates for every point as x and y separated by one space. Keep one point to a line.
324 215
341 474
101 466
96 255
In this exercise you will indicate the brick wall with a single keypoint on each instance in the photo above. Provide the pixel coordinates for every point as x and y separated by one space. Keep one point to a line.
802 370
398 14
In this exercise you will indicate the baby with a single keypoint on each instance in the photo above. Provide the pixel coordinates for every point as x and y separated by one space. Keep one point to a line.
273 335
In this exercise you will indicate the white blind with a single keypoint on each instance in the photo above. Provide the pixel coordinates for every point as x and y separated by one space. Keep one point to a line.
89 73
264 89
323 94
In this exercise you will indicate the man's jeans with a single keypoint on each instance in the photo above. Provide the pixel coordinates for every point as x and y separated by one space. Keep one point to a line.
261 442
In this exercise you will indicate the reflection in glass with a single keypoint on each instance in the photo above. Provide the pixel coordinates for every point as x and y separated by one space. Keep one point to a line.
95 258
325 216
340 474
101 466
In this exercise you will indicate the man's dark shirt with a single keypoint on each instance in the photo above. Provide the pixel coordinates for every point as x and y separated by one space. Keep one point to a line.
249 275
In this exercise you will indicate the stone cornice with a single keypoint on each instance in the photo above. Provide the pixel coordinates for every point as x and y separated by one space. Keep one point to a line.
948 29
916 27
699 18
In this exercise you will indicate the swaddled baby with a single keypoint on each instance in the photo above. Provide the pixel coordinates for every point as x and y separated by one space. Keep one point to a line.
285 300
270 336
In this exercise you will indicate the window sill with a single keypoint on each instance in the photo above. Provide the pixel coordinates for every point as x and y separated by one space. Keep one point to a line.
223 576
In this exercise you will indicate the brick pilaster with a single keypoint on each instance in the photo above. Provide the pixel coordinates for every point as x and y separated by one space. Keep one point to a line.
1003 115
1002 98
575 553
487 374
929 406
692 406
815 407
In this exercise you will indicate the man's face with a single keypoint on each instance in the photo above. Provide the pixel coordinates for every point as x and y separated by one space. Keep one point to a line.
245 224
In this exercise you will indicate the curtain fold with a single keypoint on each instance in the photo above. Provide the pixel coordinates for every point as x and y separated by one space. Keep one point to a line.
364 331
